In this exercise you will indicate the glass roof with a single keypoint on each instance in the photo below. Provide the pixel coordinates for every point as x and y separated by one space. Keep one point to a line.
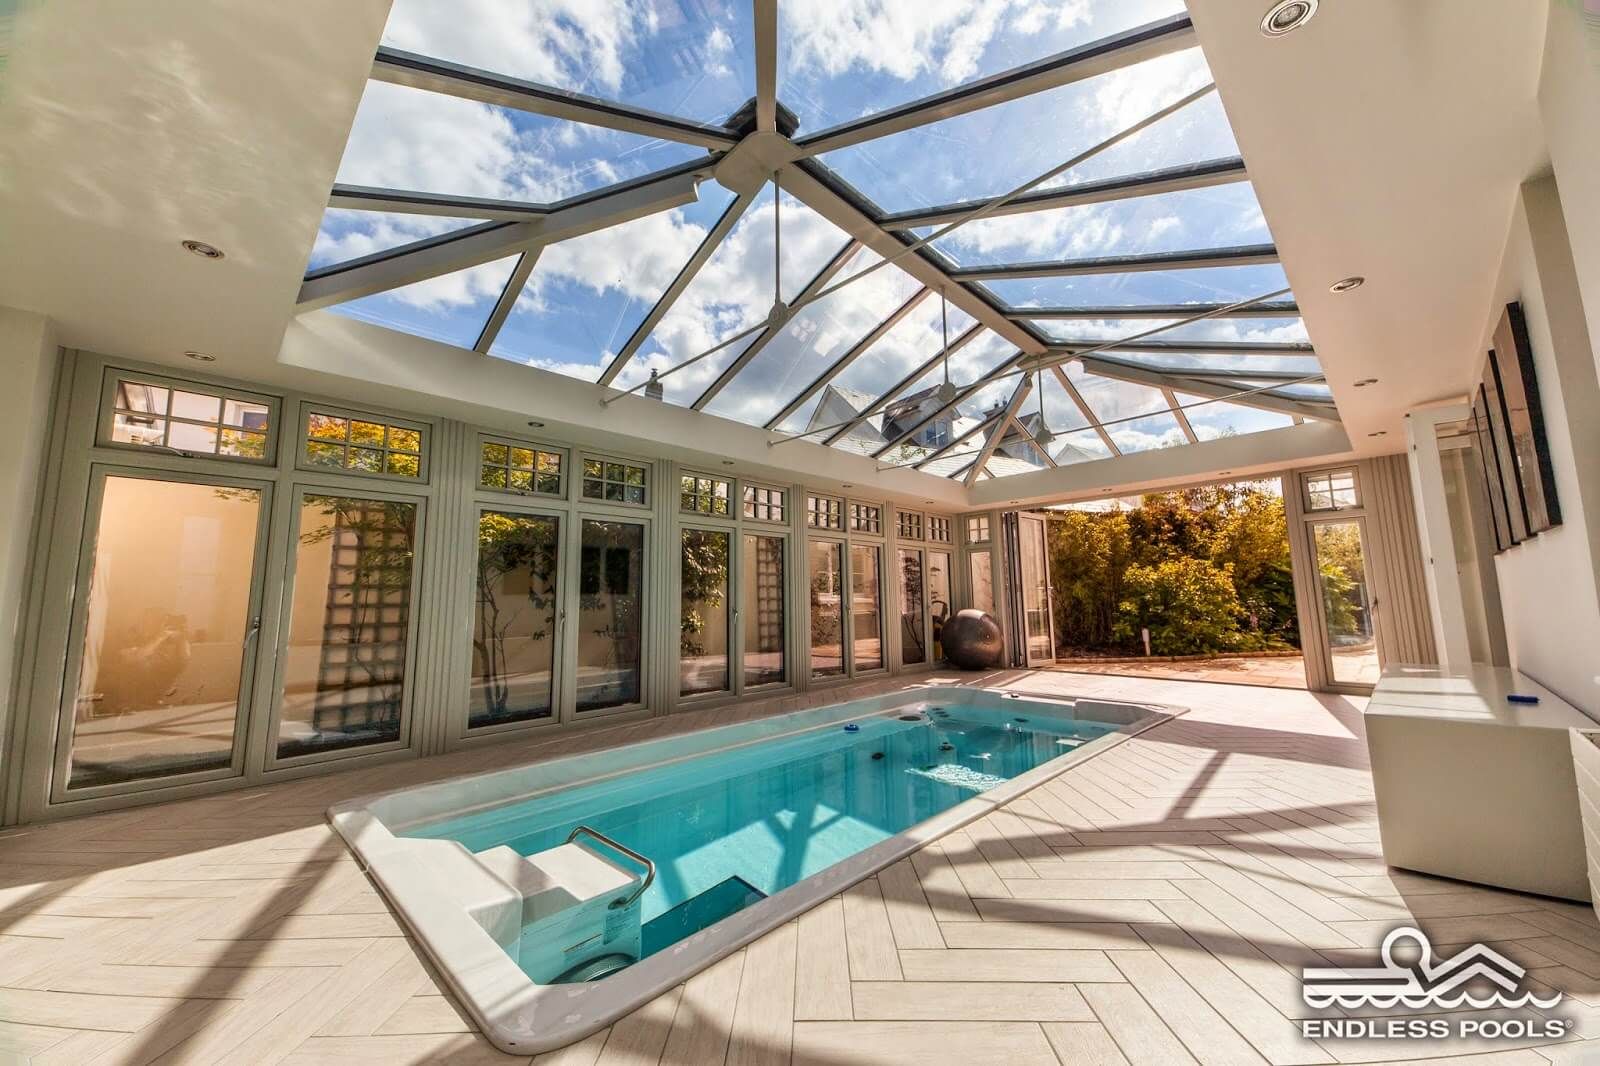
591 186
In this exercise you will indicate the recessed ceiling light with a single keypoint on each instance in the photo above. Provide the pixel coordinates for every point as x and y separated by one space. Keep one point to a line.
1364 382
1353 282
535 425
1224 471
1379 433
848 485
201 357
727 462
203 250
1286 16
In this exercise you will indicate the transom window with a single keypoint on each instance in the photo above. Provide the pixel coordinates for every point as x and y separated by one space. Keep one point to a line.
614 481
703 495
977 528
765 505
154 413
362 444
939 529
866 518
1331 490
909 524
824 512
519 468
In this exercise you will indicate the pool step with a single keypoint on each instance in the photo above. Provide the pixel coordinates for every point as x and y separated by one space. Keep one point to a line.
698 912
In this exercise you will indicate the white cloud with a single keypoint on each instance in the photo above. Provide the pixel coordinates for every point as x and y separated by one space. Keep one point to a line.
584 45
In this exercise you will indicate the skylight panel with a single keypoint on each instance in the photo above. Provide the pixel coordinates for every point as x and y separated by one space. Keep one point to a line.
693 58
1224 284
347 234
1219 361
1138 415
1214 420
1191 219
420 141
1250 330
818 335
587 295
451 308
992 151
733 293
839 63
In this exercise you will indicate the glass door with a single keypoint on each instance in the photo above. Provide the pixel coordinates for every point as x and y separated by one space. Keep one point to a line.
760 617
913 608
609 673
163 638
1348 605
825 578
939 599
1038 633
705 623
516 619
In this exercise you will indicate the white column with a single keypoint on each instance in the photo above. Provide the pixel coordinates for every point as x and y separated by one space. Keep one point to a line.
1441 568
29 355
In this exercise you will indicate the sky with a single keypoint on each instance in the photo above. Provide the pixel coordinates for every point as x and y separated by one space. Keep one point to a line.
838 60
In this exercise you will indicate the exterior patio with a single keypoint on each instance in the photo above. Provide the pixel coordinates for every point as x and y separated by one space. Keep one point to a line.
1153 906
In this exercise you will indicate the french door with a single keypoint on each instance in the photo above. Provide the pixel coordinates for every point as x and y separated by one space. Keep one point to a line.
1032 574
732 595
1347 602
165 633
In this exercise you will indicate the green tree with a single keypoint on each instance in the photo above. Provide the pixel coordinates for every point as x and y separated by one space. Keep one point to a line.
1188 604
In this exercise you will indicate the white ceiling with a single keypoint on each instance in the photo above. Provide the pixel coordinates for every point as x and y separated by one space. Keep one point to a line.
1385 139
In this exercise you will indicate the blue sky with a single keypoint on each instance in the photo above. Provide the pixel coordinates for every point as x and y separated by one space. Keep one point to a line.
839 59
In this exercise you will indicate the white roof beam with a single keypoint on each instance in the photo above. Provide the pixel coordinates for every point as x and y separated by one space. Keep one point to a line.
469 83
1024 387
1212 390
508 300
708 245
890 394
1245 255
1274 309
1169 179
766 34
825 275
843 362
494 240
1098 57
1085 410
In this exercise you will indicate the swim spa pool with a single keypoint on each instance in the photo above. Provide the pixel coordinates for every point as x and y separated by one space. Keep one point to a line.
557 896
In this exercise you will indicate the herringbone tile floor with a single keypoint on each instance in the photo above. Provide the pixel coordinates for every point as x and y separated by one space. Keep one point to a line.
1153 905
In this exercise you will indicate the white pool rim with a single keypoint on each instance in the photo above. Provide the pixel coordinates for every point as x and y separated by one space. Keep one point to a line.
525 1018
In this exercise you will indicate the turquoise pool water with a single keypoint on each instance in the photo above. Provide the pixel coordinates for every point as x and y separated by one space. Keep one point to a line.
727 828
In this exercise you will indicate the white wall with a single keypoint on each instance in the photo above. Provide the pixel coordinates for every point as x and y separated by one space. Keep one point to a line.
1548 585
1569 107
28 358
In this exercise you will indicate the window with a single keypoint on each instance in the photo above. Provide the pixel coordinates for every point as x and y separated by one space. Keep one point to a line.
1331 490
977 528
910 524
704 495
824 512
763 614
610 614
939 529
511 467
154 413
362 446
939 593
514 620
349 624
765 505
613 481
866 518
913 616
866 608
825 559
704 632
982 571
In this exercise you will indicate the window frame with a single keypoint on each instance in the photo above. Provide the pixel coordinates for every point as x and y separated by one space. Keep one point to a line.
1329 473
758 486
106 413
930 520
851 509
918 525
982 522
563 454
424 432
695 513
837 510
580 476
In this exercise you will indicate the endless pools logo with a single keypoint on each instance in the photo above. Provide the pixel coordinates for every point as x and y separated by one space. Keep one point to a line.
1446 984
